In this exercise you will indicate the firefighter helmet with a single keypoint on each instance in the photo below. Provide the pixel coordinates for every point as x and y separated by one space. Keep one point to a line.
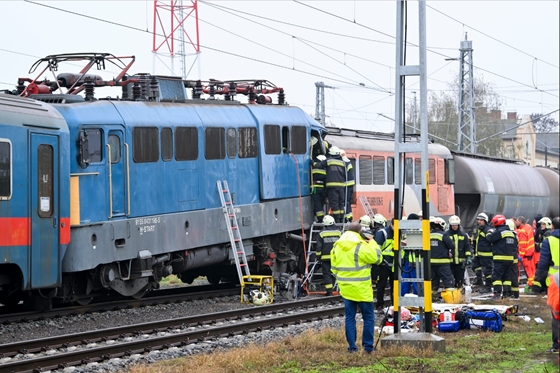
334 150
454 220
547 222
365 221
321 157
498 220
482 216
510 224
380 219
328 220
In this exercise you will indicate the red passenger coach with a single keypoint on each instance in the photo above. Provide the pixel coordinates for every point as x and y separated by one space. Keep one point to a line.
373 159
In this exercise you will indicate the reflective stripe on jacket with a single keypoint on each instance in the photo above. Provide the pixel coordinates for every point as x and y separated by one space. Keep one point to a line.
351 261
336 172
526 240
439 251
503 243
325 242
549 262
482 246
553 295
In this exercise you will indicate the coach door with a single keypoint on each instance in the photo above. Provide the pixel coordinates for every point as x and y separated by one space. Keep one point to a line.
45 217
117 158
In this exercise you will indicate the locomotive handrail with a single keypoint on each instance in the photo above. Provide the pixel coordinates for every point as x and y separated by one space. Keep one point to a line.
110 183
127 178
86 174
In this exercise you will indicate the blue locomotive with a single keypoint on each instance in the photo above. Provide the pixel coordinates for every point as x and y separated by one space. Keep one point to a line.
115 194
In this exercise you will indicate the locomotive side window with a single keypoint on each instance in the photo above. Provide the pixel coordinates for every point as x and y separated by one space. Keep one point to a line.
94 145
378 170
247 142
145 144
450 171
390 170
214 143
45 181
166 144
299 140
408 170
231 143
5 170
418 171
186 144
115 144
365 167
432 169
272 139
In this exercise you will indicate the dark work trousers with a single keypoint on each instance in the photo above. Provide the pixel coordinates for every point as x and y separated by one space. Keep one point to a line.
555 333
348 208
385 274
336 197
514 277
318 198
328 279
442 272
484 264
501 280
458 272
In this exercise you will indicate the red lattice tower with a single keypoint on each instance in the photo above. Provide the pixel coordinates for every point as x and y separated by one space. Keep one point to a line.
175 20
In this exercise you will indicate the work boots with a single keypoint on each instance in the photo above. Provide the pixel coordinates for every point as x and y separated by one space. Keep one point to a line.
328 293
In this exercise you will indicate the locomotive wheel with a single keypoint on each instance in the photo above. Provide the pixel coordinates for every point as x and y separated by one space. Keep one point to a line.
84 301
140 294
213 279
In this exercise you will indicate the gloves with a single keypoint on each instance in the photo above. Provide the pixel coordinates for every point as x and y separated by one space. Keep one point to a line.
520 258
469 262
529 257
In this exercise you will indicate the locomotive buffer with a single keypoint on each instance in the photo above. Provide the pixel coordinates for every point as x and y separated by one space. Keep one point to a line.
233 231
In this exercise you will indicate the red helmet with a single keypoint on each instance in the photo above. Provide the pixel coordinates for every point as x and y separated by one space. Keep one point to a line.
498 220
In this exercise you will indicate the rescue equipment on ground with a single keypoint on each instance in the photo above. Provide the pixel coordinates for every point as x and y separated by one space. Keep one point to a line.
448 326
258 290
451 296
485 320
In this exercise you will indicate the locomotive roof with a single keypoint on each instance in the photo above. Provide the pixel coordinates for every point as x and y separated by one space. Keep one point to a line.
19 111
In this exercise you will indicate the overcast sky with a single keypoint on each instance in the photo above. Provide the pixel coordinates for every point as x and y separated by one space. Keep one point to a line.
345 44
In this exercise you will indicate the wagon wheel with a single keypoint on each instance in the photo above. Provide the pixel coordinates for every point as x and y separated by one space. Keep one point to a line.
214 279
141 293
84 301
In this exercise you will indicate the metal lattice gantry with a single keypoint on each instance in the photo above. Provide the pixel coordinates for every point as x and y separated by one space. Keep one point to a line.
467 124
175 21
320 102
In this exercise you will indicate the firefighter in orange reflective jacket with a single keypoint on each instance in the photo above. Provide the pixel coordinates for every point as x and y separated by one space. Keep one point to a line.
553 300
526 238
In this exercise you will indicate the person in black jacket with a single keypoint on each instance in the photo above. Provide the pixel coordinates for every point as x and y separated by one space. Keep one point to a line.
325 241
460 242
441 257
336 183
319 175
350 182
482 262
504 244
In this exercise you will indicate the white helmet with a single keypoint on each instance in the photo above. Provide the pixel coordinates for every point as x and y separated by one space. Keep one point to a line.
437 222
441 222
482 216
328 220
365 221
547 222
454 220
334 150
321 157
510 224
379 219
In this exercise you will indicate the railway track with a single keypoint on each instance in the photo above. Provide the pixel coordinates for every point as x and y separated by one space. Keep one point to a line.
165 296
94 346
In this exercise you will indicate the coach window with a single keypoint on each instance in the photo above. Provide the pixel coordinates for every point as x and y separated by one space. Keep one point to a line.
299 140
432 169
166 144
272 142
440 172
417 170
285 139
231 143
186 144
365 168
247 142
378 170
94 145
408 170
5 170
45 161
214 143
145 144
390 170
115 146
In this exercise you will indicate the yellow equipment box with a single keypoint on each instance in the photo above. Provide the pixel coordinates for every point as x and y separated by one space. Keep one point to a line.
257 289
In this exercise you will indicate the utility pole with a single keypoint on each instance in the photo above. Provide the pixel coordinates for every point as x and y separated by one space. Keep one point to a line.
320 101
467 124
414 114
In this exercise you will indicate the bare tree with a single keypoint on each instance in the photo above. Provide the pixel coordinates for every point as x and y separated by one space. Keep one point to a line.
544 124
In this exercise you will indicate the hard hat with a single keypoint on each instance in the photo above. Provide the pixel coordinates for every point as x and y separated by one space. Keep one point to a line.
328 220
365 221
510 224
498 220
454 220
437 222
482 216
313 140
420 213
334 150
432 219
321 157
547 222
379 219
342 152
441 222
